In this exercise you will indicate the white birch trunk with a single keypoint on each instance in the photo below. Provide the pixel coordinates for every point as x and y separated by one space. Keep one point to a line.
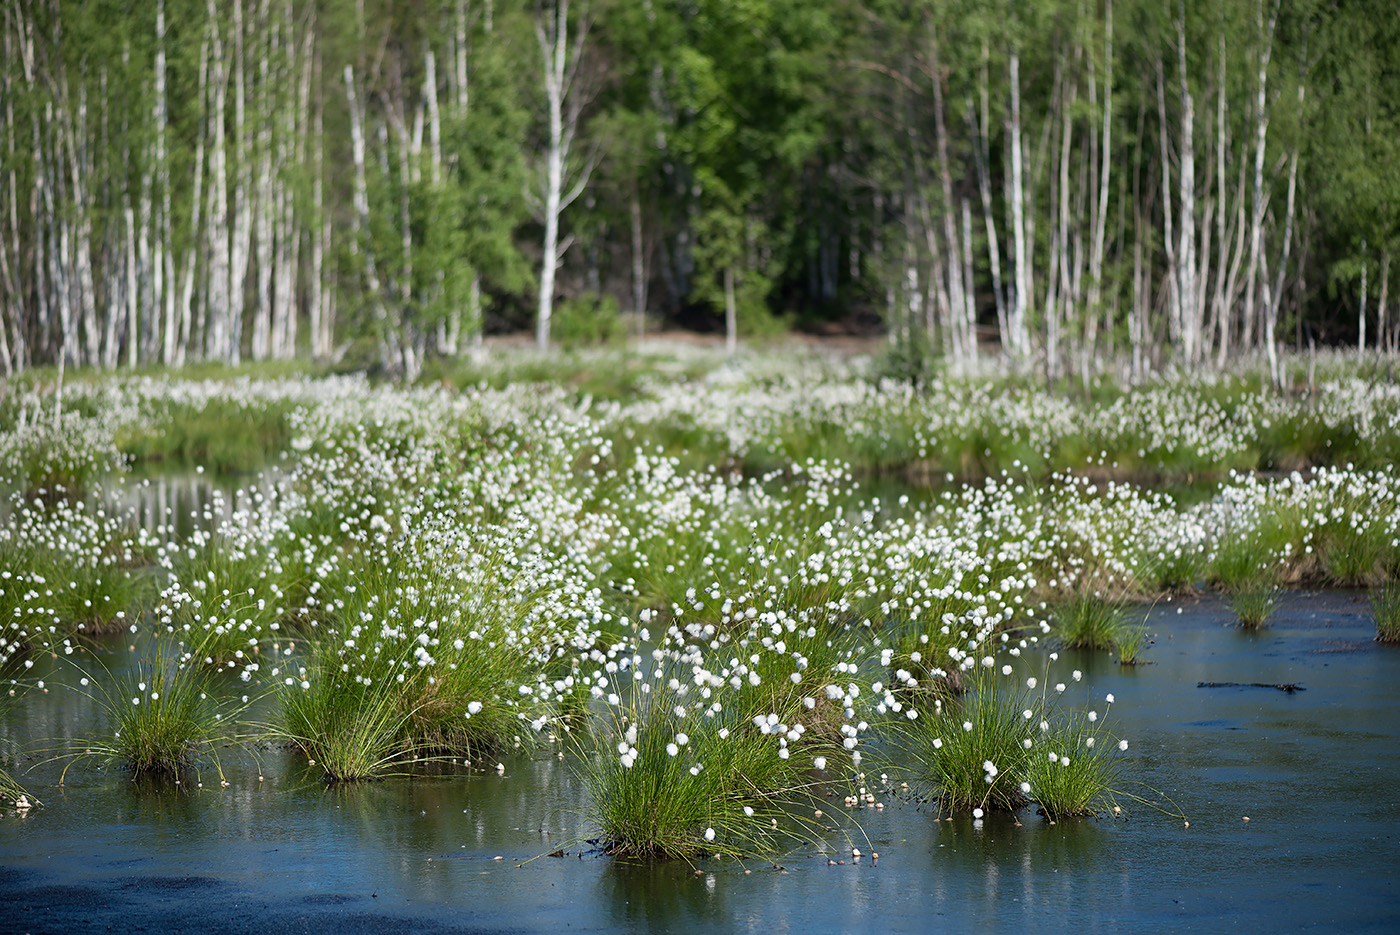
1186 252
561 58
362 243
1361 311
731 313
1261 131
240 248
1173 279
639 268
216 326
951 271
1220 308
1021 299
969 309
1100 221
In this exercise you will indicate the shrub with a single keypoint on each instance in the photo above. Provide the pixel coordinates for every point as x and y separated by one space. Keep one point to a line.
588 319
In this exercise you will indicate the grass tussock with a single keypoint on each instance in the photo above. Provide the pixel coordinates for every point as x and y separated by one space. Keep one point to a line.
1132 642
431 656
1002 747
165 714
1385 605
11 793
1254 606
1089 622
667 782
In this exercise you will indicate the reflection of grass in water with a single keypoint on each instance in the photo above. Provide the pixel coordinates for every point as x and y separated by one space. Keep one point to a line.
222 435
10 791
1385 604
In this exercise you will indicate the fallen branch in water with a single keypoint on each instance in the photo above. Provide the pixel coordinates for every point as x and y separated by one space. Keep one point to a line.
1289 687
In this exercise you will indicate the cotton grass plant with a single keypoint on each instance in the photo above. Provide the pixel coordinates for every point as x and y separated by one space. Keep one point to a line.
974 750
1007 744
431 655
432 573
1074 768
665 783
165 714
1132 641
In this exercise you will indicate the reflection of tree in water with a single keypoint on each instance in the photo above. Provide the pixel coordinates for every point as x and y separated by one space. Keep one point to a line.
187 501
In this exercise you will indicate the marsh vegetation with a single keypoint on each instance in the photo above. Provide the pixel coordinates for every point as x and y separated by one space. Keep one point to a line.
722 601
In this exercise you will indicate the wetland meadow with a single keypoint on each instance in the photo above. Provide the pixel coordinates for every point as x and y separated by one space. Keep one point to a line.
614 641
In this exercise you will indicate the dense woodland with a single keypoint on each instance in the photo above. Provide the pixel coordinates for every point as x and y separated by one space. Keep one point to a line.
1071 180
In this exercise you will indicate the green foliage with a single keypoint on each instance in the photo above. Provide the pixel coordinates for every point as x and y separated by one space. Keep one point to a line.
589 319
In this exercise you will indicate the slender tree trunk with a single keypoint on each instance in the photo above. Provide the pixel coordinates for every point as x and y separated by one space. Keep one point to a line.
187 312
564 109
951 271
1261 130
969 299
1186 252
731 313
362 244
220 302
639 265
1096 254
981 156
1021 300
240 248
1221 308
263 207
1385 339
1361 310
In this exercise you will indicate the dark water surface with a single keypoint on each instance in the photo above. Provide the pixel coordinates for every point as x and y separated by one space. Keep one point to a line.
1316 772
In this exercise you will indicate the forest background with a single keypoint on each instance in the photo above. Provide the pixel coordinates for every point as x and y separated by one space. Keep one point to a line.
381 183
